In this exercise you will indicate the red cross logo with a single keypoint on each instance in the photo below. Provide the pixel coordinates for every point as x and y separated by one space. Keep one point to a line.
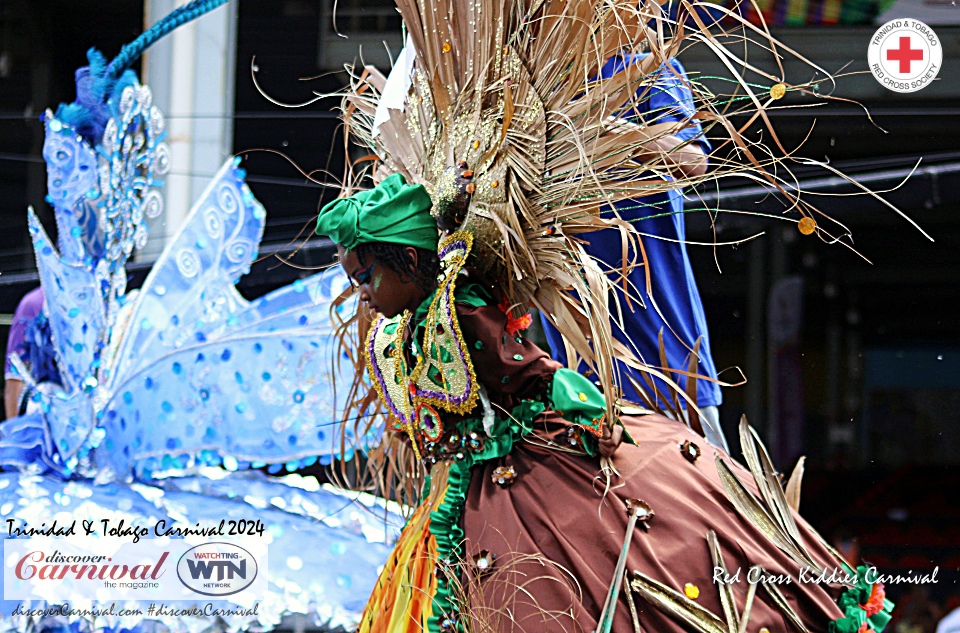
904 54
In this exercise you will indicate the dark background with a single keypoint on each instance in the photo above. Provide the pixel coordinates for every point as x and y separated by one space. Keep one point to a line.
878 352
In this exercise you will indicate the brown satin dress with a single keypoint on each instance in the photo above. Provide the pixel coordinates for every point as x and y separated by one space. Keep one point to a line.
555 534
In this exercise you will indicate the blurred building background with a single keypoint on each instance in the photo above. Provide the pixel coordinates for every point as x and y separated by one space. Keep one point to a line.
852 358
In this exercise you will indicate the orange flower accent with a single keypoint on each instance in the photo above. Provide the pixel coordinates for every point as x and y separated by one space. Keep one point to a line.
875 602
515 325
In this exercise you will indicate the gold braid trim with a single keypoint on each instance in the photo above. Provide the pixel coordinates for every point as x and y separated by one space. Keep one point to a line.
385 370
404 392
457 375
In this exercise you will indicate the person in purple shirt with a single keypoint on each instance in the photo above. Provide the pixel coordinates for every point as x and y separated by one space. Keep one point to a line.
29 308
673 306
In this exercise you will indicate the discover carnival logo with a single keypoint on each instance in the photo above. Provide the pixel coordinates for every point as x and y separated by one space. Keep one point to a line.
217 569
48 568
905 55
40 566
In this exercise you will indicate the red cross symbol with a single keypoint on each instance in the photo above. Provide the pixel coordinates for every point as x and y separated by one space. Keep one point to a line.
905 54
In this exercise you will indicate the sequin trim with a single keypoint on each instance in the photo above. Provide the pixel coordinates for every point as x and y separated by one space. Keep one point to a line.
406 393
460 392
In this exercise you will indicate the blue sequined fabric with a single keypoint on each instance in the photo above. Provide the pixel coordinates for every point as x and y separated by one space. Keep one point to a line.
163 398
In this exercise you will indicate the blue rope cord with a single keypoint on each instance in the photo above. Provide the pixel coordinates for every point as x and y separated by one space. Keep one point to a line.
178 17
89 113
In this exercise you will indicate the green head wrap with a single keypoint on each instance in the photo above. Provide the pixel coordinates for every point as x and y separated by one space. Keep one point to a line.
393 212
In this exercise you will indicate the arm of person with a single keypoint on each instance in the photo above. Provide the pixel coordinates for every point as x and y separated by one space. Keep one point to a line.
666 104
11 397
685 159
507 363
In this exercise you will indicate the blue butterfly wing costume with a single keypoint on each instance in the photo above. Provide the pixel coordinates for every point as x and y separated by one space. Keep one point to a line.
184 377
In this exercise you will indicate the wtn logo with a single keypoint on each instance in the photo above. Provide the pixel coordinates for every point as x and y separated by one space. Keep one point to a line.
225 569
217 569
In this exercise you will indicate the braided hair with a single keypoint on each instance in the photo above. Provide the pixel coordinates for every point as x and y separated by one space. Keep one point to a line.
395 257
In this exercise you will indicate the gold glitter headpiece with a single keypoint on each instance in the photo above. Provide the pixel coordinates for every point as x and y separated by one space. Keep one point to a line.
521 140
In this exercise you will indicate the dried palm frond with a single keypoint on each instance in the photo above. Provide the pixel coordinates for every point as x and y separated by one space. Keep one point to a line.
783 604
493 599
508 95
677 605
793 485
771 514
683 609
727 600
767 479
511 90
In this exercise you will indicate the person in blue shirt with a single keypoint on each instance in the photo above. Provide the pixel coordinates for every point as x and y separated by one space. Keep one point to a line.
674 306
28 340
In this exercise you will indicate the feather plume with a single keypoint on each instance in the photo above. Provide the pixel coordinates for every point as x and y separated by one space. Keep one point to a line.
512 89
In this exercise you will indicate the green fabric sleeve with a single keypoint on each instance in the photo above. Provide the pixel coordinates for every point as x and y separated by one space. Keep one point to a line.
473 294
578 400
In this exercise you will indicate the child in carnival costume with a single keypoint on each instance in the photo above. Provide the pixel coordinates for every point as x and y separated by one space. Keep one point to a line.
541 504
515 530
